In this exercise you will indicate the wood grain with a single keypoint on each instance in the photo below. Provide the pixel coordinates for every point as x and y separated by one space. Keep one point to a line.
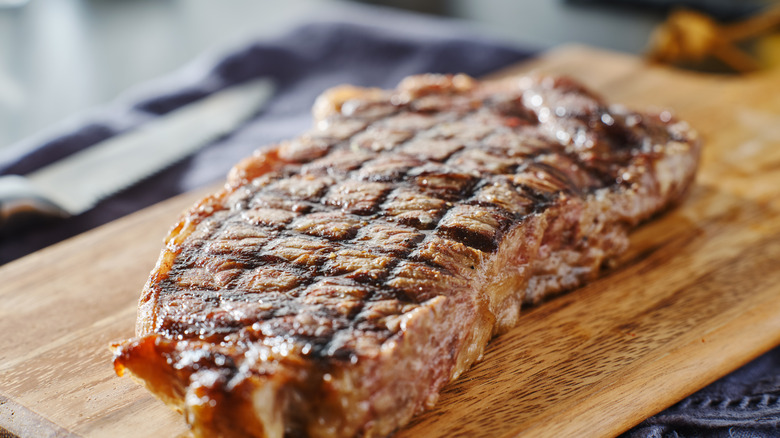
694 298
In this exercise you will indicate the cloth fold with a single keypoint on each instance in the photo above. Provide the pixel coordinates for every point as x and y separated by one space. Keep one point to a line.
371 51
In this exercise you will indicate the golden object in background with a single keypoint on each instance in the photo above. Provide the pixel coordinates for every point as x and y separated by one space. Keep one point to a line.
768 50
689 36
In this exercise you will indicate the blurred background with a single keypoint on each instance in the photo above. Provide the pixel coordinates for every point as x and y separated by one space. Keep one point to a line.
61 57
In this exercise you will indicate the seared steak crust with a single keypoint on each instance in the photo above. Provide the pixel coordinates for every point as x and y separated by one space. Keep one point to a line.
340 279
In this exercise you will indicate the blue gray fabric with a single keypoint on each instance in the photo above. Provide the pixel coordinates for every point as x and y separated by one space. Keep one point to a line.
744 404
304 62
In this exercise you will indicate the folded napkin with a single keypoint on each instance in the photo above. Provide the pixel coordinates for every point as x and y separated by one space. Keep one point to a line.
367 50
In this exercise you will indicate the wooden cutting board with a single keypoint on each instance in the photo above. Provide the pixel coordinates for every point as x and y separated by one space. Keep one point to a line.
696 296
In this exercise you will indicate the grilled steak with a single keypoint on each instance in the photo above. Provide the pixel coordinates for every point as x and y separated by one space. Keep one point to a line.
340 279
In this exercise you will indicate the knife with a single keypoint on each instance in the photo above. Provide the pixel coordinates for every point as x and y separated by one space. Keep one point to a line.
75 184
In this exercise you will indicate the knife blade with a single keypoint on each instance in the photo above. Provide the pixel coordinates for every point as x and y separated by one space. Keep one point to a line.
75 184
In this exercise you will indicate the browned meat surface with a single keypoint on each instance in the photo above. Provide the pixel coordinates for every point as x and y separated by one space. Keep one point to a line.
342 278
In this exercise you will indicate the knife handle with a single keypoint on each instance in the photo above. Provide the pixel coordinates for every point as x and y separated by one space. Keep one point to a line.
23 206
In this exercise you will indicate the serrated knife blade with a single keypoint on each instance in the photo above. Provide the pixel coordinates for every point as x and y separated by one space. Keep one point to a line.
75 184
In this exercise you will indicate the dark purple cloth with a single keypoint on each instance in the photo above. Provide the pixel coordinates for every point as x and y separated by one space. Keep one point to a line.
304 62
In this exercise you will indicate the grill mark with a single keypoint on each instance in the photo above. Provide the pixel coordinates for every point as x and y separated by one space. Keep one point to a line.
568 184
377 286
478 239
417 136
603 176
398 257
309 279
469 193
378 220
166 285
346 143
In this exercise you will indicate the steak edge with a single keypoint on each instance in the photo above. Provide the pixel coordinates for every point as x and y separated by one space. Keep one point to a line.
340 279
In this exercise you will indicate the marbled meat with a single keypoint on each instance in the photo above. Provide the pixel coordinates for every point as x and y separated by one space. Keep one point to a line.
340 279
